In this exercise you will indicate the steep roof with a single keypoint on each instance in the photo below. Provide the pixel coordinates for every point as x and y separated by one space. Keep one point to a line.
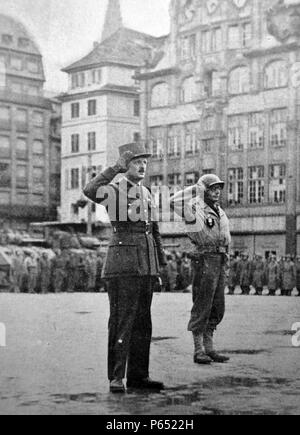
125 47
14 28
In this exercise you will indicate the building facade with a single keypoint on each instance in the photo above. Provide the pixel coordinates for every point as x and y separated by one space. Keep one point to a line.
224 98
25 117
100 111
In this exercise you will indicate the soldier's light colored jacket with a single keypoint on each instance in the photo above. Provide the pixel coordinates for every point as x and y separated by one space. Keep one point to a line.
135 248
204 226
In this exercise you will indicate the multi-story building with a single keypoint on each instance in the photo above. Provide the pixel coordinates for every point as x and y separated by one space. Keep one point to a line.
101 110
224 98
24 129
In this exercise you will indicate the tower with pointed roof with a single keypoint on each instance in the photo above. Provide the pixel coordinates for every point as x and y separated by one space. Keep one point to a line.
101 108
113 19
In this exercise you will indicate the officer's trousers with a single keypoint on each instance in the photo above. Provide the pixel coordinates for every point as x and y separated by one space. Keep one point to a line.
130 327
209 277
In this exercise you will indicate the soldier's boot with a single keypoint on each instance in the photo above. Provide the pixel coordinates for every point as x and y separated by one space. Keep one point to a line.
210 351
200 356
117 386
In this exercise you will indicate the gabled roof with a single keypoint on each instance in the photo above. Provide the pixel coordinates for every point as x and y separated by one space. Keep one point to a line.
125 47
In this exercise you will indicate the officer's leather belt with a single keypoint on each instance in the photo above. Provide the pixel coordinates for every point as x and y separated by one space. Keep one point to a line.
134 229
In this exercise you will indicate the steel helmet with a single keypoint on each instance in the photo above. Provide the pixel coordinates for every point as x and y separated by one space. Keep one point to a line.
210 180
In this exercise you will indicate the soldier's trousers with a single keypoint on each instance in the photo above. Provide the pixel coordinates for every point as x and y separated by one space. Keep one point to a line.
130 327
209 277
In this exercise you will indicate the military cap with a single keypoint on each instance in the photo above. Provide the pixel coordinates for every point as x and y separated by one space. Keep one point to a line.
134 150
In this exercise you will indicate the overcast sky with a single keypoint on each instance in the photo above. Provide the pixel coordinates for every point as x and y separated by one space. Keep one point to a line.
66 29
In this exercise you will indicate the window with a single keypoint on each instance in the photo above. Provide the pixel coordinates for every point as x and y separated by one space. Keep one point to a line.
17 88
136 137
34 91
235 186
174 180
7 39
208 171
23 42
208 145
5 175
22 116
22 176
212 40
74 178
174 141
38 119
256 130
277 186
215 84
33 66
191 178
239 81
92 107
16 63
192 140
156 180
4 147
188 47
189 90
236 133
4 113
91 141
246 35
212 83
75 139
234 37
157 142
278 125
75 110
276 75
160 95
38 147
77 80
136 108
216 40
38 175
96 76
22 150
209 123
256 189
2 71
206 42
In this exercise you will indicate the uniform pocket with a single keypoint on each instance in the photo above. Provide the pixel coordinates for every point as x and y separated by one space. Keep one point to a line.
122 260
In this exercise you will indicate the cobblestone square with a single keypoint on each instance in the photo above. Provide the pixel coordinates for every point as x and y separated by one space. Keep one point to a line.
55 358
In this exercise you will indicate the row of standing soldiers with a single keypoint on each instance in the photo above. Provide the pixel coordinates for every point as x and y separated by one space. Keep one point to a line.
63 271
259 274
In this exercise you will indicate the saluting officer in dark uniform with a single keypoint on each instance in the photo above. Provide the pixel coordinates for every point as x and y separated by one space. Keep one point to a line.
132 266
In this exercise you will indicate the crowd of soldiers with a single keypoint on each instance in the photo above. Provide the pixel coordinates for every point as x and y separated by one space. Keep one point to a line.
245 275
269 276
74 270
44 270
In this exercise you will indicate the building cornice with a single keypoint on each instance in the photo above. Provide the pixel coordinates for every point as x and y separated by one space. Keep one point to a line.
108 89
25 100
260 52
88 66
155 74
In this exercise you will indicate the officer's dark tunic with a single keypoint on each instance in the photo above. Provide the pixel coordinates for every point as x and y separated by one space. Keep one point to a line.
132 265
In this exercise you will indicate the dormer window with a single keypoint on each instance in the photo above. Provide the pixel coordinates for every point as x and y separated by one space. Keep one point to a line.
7 39
23 42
